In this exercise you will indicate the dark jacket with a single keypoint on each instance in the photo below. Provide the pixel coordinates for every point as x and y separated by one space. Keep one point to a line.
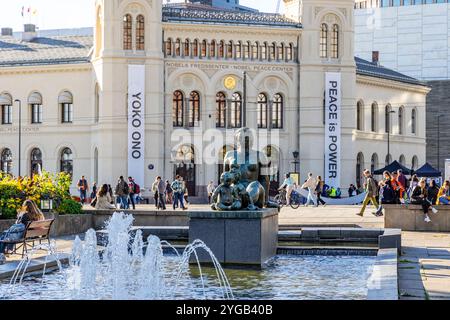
432 194
387 194
416 193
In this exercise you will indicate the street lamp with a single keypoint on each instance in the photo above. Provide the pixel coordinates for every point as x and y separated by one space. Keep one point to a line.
388 113
296 154
20 136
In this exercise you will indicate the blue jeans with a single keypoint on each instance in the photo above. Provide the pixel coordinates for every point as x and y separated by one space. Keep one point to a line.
15 232
311 197
83 196
444 200
178 196
123 200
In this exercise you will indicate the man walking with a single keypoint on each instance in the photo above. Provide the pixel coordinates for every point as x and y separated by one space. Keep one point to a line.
178 192
161 193
83 189
122 192
132 188
155 192
371 193
310 184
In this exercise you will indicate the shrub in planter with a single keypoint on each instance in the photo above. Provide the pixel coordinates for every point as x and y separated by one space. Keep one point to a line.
69 206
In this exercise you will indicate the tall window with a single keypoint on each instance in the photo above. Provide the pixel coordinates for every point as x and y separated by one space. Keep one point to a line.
236 111
66 159
238 50
374 117
212 49
97 103
178 47
255 51
194 109
360 116
264 51
6 108
281 52
230 50
415 163
374 163
273 51
66 102
289 52
169 47
414 121
277 111
247 50
324 41
95 164
35 102
335 42
402 160
400 120
222 49
177 108
262 110
35 161
6 161
127 32
187 47
195 48
388 159
204 49
140 33
221 104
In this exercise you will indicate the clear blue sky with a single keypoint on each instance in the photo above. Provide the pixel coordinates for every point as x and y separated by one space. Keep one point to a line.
58 14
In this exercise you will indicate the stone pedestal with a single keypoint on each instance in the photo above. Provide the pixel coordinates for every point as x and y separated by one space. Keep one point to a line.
236 237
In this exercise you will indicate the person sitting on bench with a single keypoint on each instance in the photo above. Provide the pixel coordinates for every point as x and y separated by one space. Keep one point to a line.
28 213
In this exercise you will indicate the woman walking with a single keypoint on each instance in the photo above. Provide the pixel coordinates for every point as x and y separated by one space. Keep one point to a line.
318 190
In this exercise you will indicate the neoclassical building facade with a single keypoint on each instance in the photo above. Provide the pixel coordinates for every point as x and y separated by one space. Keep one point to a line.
161 90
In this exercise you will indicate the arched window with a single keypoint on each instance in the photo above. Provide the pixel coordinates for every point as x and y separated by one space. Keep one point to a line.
374 163
324 41
35 161
65 100
401 112
96 164
402 160
6 161
273 51
255 51
66 159
360 116
221 104
177 109
169 47
374 117
277 111
194 109
238 50
35 103
264 51
222 49
230 50
359 169
140 32
204 49
195 48
262 110
212 49
236 111
415 163
414 121
6 108
127 32
388 160
335 42
387 118
187 48
281 52
247 50
178 47
97 103
289 52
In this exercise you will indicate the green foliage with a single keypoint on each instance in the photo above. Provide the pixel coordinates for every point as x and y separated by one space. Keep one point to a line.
69 206
14 191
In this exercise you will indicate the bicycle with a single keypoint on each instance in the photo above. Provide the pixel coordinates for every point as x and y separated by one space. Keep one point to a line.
295 202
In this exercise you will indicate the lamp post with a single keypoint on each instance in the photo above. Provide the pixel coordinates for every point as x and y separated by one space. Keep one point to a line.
296 162
20 136
389 132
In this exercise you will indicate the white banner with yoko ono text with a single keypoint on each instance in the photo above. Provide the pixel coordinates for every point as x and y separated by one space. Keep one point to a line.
136 122
333 113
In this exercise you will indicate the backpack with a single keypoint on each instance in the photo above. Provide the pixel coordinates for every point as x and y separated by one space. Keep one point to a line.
137 188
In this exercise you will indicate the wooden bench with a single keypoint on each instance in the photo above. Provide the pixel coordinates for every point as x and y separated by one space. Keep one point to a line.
35 231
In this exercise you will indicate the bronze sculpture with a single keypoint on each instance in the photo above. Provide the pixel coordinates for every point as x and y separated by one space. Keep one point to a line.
245 182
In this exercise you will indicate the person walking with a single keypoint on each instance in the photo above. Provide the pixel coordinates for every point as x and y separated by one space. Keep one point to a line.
310 184
210 190
178 193
122 192
161 193
83 188
185 193
169 192
288 183
104 199
419 196
155 191
444 194
371 193
132 195
318 191
94 191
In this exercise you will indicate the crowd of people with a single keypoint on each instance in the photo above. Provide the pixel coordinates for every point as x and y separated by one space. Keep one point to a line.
395 188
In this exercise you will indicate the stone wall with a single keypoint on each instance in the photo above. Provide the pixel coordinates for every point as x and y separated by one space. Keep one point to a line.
410 218
438 103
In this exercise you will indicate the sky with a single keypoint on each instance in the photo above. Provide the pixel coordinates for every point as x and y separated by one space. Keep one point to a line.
60 14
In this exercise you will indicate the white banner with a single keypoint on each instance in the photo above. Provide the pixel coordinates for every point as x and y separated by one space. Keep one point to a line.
447 169
136 123
333 129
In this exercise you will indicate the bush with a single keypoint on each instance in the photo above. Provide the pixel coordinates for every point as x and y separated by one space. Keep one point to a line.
69 206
